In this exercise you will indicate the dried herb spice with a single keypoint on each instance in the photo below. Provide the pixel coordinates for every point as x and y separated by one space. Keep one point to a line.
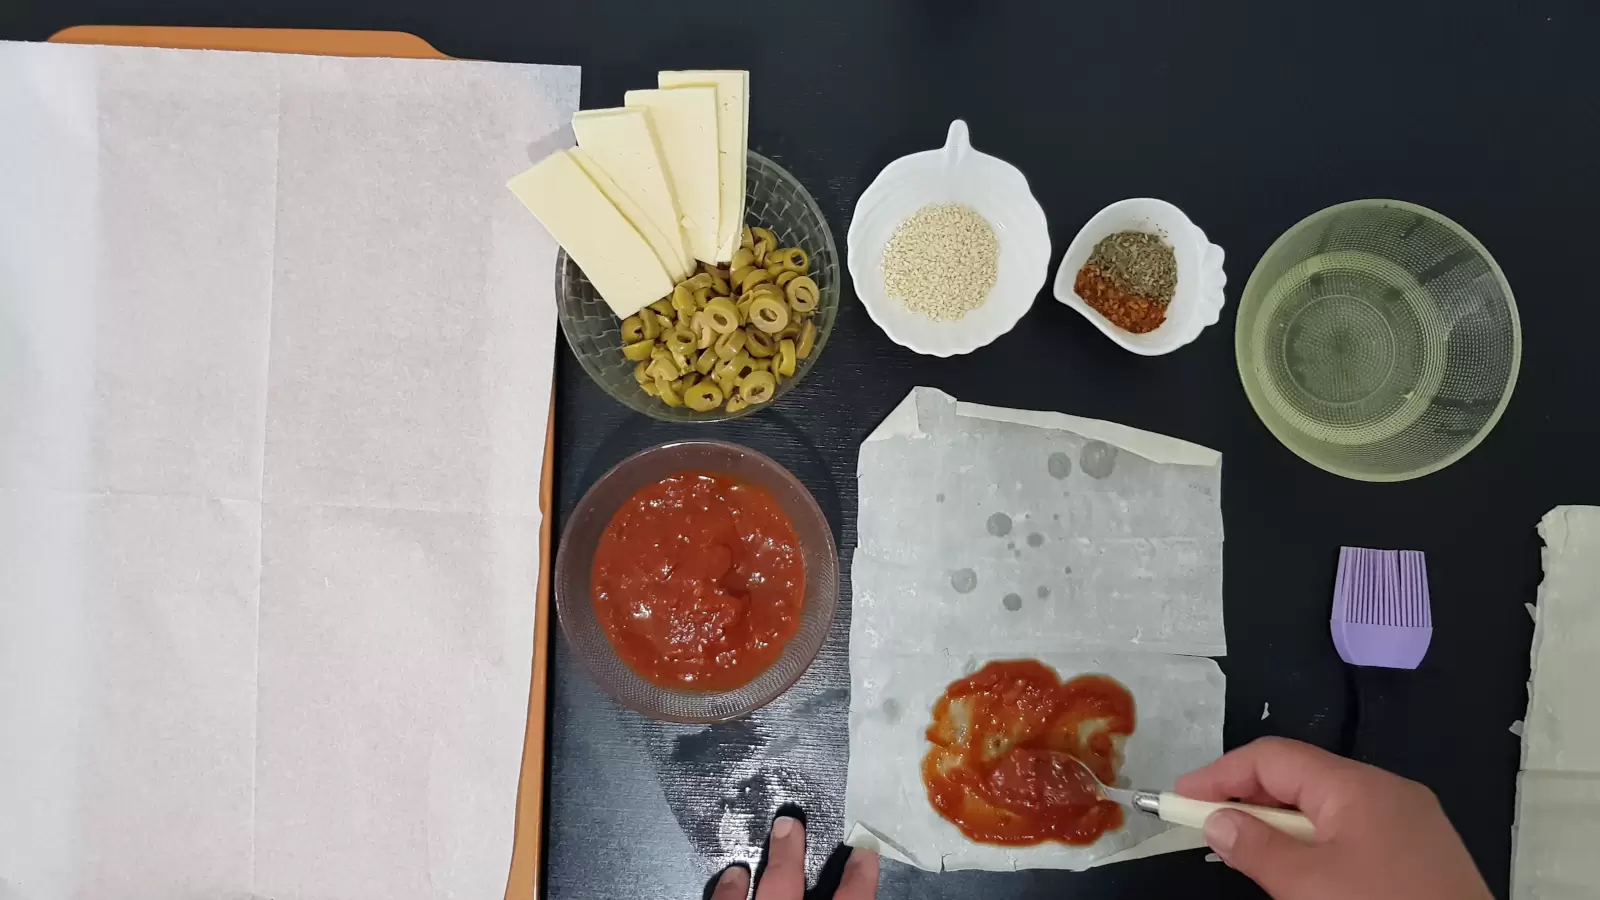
1130 278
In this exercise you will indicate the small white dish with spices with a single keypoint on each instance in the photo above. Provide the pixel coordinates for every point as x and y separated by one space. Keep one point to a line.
1197 299
929 272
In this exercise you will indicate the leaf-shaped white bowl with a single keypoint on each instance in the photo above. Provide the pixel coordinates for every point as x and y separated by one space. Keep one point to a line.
955 173
1198 299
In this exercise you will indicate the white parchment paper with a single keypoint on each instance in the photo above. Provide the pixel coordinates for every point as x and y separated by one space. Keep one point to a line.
1558 791
276 351
997 534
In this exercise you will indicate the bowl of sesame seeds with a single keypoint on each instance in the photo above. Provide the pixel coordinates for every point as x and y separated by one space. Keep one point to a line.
948 248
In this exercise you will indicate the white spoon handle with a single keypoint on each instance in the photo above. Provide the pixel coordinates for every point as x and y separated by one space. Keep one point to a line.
1186 811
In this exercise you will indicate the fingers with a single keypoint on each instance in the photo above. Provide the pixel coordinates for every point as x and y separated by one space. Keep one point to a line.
1272 771
860 879
733 885
1272 859
785 875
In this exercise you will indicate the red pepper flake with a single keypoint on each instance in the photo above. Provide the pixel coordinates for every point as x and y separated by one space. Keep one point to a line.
1126 310
1130 278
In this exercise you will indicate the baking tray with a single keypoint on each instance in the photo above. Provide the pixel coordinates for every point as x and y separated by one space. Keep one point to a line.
522 881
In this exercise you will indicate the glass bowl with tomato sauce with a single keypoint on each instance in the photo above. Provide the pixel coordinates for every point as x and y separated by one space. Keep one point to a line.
696 581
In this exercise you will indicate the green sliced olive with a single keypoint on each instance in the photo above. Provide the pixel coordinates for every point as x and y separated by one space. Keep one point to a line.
703 397
808 339
767 314
638 350
785 358
706 362
730 345
722 315
758 387
803 294
668 393
758 343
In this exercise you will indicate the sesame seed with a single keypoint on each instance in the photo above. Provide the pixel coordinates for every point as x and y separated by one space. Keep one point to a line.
941 262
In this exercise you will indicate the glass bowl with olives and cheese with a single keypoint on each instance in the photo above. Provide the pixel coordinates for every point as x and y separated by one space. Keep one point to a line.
731 337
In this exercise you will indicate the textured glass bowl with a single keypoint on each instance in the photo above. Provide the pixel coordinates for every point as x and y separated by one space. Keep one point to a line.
773 199
1378 340
575 561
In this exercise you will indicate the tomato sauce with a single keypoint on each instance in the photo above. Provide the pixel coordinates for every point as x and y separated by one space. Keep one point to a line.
997 769
699 581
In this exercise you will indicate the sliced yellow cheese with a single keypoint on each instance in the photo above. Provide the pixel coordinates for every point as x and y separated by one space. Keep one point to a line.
733 140
622 143
627 207
685 122
611 252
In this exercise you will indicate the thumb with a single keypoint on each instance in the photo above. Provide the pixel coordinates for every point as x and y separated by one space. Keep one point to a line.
1271 858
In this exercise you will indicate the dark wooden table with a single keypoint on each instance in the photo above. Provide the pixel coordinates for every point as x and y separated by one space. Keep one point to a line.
1248 116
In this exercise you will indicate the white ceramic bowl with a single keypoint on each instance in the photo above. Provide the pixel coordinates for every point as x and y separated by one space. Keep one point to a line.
955 173
1198 299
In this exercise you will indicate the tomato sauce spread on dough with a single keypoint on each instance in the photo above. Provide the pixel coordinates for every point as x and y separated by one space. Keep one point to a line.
997 769
698 581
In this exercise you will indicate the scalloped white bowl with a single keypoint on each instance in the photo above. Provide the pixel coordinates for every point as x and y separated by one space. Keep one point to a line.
992 187
1198 299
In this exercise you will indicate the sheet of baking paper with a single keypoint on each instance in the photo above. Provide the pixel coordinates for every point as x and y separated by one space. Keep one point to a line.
1179 701
991 534
1558 792
276 352
905 420
1023 528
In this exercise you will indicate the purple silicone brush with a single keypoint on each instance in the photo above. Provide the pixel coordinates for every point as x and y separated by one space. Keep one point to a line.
1381 615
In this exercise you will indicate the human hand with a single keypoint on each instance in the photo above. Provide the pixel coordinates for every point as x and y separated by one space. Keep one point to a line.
785 875
1379 836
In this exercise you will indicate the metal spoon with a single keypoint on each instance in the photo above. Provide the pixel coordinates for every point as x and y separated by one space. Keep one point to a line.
1178 810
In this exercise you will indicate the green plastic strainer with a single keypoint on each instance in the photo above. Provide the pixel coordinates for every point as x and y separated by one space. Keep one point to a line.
1378 340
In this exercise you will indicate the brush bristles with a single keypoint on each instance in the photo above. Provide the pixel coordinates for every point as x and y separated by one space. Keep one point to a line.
1382 587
